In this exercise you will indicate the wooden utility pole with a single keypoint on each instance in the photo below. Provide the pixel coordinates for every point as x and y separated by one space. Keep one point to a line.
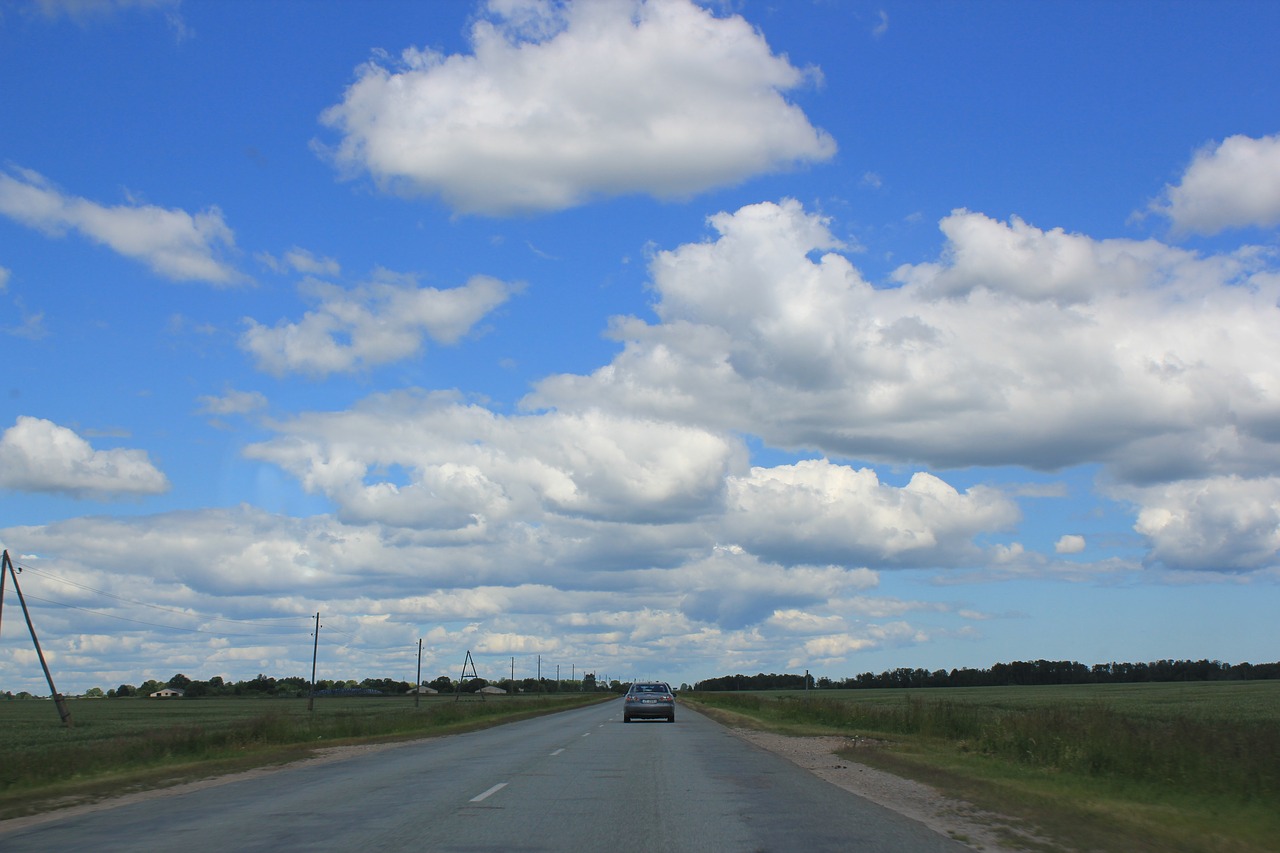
63 711
417 686
315 648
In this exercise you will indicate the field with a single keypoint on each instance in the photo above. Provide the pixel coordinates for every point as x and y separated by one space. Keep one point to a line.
120 745
1127 767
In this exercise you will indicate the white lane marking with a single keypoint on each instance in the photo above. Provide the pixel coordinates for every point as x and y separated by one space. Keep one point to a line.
558 751
489 793
588 734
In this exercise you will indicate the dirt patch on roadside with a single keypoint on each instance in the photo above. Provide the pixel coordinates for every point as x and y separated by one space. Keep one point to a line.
980 830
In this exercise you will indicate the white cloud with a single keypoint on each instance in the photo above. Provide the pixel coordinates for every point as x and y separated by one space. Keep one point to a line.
1020 346
733 589
173 243
882 26
562 102
300 260
836 647
1227 524
232 403
431 462
1070 543
37 455
1235 184
382 321
307 263
815 511
85 12
82 9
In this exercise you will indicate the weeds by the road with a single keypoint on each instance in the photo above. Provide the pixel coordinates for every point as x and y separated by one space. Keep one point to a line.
1127 775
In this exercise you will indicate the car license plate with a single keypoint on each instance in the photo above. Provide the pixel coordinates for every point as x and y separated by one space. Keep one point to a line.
649 701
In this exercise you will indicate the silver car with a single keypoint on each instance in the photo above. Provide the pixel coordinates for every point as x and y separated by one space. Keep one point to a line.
651 699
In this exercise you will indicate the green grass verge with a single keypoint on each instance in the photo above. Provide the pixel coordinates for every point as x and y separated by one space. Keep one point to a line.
1172 768
120 746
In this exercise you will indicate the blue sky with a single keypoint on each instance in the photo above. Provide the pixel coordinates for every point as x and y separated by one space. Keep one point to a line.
656 339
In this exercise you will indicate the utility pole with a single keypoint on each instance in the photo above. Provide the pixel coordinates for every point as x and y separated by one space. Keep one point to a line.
63 711
315 648
513 676
417 685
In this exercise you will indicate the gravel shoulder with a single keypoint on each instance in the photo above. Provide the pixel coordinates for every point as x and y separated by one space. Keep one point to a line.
980 830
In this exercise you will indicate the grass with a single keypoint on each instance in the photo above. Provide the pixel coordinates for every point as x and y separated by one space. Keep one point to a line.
1158 767
123 745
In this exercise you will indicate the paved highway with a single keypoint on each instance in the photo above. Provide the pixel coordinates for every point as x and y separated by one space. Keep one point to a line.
580 780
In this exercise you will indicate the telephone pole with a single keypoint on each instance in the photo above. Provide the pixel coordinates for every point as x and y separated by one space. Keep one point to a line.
417 686
315 648
63 711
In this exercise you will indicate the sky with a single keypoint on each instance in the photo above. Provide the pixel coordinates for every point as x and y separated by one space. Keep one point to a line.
650 339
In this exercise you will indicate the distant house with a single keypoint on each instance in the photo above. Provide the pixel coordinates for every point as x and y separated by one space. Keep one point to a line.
168 693
423 690
490 690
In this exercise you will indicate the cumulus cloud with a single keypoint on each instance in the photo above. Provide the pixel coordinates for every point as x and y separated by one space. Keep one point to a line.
1071 543
1019 346
1227 524
37 455
175 244
815 511
561 102
382 321
1235 184
733 589
433 462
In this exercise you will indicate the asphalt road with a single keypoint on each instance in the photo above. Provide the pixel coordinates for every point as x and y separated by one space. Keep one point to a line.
580 780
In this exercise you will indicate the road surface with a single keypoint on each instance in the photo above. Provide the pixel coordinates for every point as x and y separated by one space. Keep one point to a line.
580 780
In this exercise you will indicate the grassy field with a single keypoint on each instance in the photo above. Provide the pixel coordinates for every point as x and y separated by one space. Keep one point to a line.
122 745
1135 767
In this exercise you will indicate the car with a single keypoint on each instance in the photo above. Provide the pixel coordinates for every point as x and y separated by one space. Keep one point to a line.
649 699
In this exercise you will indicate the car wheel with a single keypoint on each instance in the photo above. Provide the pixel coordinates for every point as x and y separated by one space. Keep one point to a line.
671 719
626 719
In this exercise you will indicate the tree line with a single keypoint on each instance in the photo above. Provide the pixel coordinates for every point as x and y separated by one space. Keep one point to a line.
297 686
1007 674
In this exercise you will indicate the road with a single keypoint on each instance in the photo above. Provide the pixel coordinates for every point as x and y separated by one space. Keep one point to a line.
580 780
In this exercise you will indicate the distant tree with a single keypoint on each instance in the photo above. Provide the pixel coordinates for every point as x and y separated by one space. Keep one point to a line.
179 682
261 685
93 693
148 687
442 683
126 690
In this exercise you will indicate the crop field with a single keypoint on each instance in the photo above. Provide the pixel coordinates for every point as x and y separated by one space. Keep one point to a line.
1227 701
126 744
1165 766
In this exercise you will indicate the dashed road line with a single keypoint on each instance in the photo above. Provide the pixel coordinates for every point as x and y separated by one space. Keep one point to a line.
489 793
